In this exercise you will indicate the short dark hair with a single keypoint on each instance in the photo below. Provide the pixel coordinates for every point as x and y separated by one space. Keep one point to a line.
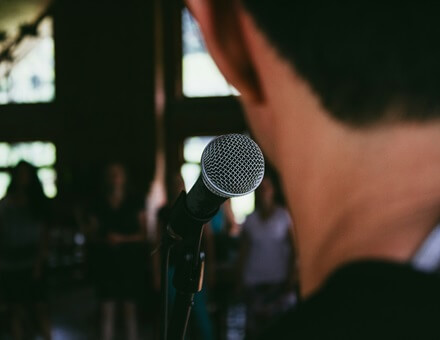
368 61
33 191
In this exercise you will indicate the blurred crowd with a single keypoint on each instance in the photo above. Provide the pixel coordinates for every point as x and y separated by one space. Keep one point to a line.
104 243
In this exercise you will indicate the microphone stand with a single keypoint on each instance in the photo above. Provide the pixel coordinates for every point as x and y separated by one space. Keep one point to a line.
183 235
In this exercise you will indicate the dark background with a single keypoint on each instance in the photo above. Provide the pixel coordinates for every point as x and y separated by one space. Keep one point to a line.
118 93
118 97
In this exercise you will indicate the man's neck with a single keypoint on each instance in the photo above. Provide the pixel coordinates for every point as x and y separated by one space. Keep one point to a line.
266 212
353 193
377 196
116 196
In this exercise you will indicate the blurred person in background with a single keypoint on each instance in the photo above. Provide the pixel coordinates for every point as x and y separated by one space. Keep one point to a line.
24 219
117 234
267 260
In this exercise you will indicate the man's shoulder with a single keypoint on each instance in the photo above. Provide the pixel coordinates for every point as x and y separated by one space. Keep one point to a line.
282 215
367 300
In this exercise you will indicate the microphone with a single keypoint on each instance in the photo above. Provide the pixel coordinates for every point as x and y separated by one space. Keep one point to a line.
231 166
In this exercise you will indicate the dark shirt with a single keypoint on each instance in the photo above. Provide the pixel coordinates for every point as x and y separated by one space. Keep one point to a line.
122 220
367 300
118 269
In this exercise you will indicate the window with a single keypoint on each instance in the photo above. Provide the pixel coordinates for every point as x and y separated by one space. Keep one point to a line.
28 75
192 152
201 77
42 155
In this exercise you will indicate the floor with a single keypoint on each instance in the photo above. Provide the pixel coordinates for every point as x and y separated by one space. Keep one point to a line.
74 316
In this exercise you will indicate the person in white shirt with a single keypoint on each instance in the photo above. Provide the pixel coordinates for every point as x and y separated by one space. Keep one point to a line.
267 261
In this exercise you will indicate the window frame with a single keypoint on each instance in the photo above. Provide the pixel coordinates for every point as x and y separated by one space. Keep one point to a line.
182 116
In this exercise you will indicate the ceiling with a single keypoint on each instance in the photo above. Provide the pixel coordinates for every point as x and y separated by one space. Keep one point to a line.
14 13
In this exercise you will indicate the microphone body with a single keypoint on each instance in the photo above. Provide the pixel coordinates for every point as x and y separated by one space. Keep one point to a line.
201 202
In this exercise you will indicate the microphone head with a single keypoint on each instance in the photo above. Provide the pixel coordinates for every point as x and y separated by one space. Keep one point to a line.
232 166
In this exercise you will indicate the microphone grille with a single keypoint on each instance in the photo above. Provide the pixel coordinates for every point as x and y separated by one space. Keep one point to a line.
232 165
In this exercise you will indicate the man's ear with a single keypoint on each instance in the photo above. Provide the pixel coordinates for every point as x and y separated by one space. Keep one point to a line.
221 24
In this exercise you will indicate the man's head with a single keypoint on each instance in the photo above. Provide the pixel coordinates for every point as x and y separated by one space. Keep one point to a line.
364 59
115 176
367 62
342 97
